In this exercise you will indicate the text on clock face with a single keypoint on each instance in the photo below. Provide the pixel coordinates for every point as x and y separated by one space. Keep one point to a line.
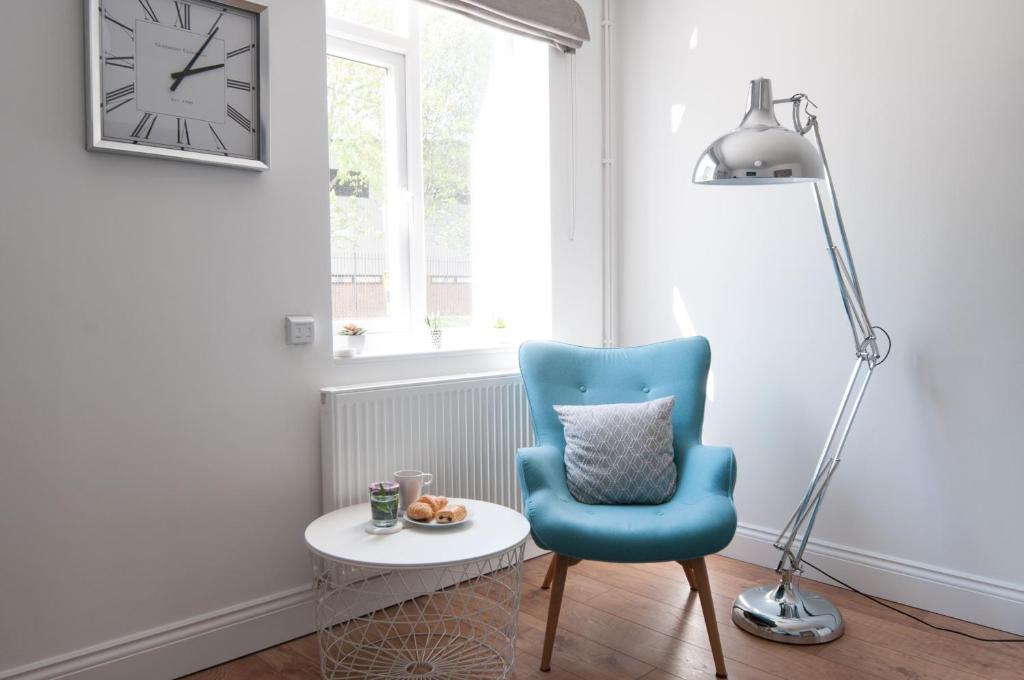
181 75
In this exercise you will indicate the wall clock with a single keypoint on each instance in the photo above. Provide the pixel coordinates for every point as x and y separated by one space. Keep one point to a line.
180 79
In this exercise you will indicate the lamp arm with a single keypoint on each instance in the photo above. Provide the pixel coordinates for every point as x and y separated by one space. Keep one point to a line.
846 270
831 454
865 341
801 523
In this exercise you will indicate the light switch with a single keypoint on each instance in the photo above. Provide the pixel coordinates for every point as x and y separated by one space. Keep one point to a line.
300 330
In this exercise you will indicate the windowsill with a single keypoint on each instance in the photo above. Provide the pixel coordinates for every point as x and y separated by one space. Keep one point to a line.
418 345
423 353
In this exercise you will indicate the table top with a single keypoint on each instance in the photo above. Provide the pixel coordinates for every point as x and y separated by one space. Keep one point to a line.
492 529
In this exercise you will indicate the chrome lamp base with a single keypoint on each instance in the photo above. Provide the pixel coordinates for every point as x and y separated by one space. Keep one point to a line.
785 613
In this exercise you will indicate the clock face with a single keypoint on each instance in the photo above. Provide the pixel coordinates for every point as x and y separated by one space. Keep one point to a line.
180 74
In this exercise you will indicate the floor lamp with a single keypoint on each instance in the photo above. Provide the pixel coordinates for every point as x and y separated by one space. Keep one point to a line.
761 151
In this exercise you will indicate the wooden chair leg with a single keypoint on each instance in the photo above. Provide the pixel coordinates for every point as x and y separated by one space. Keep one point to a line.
700 575
559 565
689 575
551 573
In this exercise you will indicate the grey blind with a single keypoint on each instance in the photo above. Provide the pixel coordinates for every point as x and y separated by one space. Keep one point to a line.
559 22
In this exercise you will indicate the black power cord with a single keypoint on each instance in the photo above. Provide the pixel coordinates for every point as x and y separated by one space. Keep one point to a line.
907 614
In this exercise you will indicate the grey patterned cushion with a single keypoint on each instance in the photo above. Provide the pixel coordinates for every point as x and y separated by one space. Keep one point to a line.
619 454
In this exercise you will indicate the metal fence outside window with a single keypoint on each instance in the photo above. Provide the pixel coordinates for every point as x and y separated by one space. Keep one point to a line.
359 285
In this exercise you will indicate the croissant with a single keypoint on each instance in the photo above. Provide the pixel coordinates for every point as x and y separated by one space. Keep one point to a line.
454 513
435 502
421 512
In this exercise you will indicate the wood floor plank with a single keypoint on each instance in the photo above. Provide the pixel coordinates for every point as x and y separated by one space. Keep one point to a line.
642 622
579 589
656 580
867 619
1015 649
289 663
307 646
658 674
246 668
687 624
873 623
632 578
890 663
579 654
676 655
527 667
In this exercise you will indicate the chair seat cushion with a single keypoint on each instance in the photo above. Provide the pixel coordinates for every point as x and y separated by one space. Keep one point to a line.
619 454
684 528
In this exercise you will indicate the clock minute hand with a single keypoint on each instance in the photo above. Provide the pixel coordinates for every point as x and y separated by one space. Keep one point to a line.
177 81
192 72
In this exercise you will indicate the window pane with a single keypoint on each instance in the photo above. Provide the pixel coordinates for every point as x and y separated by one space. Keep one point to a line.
484 101
357 122
386 15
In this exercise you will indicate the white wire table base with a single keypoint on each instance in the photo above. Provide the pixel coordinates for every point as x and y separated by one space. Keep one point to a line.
442 623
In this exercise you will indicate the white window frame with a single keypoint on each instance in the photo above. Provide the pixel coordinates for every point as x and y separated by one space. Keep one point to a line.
401 46
399 54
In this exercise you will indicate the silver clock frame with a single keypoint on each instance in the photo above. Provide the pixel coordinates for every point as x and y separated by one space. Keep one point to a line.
94 97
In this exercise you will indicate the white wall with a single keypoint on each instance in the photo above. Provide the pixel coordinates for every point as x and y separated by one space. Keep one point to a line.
577 253
919 106
159 450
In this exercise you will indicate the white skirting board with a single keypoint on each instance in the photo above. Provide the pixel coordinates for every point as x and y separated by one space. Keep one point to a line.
184 646
191 645
997 604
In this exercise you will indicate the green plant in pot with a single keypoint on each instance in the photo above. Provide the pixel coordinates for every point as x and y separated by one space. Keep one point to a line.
354 336
433 322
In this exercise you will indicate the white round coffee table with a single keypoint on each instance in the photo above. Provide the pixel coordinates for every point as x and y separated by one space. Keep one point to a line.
423 603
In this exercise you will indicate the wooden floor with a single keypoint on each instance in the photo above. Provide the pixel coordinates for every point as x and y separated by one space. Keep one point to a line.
621 622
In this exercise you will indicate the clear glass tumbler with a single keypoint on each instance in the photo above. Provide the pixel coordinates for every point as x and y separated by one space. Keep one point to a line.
384 503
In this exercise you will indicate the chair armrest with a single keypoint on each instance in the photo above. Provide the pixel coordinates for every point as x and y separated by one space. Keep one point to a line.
540 468
708 469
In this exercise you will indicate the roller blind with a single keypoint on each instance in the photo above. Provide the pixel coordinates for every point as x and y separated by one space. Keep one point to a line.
559 22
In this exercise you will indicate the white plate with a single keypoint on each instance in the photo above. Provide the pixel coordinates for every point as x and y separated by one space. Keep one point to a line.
432 524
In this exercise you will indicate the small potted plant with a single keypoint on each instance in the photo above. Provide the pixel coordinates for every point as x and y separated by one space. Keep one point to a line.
499 330
433 322
384 503
354 336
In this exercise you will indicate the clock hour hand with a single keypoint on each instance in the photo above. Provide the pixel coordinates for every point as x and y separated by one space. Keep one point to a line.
177 81
192 72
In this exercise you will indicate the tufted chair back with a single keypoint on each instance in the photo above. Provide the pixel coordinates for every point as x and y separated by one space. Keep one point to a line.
558 373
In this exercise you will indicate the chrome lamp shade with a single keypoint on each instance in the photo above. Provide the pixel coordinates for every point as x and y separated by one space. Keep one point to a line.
760 150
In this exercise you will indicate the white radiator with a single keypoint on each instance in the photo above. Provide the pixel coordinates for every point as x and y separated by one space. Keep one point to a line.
463 429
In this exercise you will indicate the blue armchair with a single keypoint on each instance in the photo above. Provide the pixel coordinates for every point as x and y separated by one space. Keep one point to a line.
699 520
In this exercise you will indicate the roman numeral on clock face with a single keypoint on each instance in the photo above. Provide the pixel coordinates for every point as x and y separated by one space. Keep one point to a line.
131 31
239 118
183 136
120 96
148 9
239 84
120 62
220 144
145 126
184 11
240 50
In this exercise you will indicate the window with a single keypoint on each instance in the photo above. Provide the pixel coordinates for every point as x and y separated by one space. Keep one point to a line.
385 15
439 177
